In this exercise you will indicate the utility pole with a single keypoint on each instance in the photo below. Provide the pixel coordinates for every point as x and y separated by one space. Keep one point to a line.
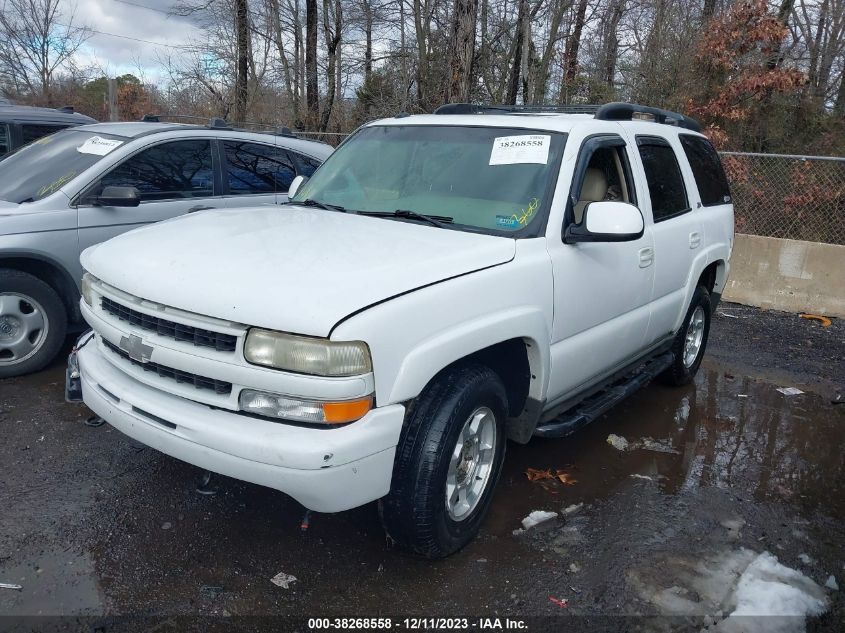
113 114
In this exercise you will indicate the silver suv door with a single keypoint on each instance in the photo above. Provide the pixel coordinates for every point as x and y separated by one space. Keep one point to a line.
173 178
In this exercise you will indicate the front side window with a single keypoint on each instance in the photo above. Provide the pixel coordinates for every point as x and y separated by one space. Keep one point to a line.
606 177
169 171
307 165
255 168
47 164
707 170
484 178
665 181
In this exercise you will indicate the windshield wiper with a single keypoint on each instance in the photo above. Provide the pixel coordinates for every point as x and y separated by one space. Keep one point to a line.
436 220
310 202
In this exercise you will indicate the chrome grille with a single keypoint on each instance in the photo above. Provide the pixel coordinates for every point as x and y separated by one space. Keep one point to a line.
170 329
219 387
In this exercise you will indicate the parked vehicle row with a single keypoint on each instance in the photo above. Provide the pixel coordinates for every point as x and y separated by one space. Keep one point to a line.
20 125
443 283
67 191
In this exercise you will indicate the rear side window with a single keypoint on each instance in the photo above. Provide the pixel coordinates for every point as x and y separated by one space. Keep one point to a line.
707 169
30 132
179 169
665 182
256 168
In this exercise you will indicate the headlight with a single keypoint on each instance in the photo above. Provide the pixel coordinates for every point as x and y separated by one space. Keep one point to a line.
304 355
289 408
88 288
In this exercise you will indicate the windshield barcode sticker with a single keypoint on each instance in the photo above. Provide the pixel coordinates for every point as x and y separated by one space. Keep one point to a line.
526 148
98 145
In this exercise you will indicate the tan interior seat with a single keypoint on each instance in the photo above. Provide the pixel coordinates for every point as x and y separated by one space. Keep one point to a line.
594 189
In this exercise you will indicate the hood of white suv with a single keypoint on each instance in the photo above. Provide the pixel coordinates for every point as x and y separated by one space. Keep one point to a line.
289 268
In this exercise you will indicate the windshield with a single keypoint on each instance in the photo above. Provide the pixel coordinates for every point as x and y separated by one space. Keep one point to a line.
494 179
44 166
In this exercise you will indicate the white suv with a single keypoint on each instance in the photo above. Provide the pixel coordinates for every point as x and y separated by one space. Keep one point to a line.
441 284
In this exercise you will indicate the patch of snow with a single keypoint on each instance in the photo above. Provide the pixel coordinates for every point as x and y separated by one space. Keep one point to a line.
682 414
575 507
637 476
618 442
283 580
790 391
537 517
805 558
831 583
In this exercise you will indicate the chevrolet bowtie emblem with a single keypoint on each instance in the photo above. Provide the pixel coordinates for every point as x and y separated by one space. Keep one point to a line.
134 346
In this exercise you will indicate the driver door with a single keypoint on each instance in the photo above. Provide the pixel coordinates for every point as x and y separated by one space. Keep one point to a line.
174 177
602 290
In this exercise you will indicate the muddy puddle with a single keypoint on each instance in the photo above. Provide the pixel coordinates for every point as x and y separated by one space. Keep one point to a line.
739 471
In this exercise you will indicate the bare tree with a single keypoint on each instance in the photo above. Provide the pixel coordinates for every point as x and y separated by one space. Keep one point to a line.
461 48
37 40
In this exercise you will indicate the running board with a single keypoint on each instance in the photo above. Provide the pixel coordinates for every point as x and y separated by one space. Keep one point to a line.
591 408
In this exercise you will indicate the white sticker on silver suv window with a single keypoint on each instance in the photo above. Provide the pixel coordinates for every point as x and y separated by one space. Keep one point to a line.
525 148
98 145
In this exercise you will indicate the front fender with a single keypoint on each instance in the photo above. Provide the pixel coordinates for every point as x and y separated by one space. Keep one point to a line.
414 336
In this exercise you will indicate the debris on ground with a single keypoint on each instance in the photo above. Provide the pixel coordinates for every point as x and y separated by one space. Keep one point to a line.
537 517
8 585
789 391
166 525
283 580
575 507
561 602
618 442
535 474
94 421
831 583
574 568
816 317
730 316
646 443
805 558
638 476
210 592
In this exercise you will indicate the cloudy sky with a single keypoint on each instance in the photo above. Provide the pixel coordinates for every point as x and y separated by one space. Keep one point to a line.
119 24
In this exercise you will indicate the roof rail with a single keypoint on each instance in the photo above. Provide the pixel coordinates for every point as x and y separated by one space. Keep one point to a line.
633 111
473 108
216 123
67 109
607 112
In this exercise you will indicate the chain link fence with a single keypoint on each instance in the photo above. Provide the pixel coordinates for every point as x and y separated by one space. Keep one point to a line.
793 197
774 195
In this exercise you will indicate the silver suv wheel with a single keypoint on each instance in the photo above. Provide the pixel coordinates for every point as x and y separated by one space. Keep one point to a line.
23 327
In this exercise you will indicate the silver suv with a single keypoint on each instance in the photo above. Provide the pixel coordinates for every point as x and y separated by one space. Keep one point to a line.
84 185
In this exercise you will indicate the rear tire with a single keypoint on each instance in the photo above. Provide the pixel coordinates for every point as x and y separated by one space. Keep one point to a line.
690 342
33 323
447 462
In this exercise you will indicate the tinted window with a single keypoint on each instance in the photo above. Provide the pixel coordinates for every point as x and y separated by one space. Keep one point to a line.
665 182
46 165
4 139
707 169
307 165
180 169
31 132
257 168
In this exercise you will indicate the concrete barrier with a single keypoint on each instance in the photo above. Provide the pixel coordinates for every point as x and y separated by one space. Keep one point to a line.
787 275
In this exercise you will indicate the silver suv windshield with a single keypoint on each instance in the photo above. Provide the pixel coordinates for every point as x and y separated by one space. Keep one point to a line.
44 166
491 179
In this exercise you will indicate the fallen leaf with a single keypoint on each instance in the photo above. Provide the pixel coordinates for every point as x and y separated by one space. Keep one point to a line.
535 474
815 317
562 603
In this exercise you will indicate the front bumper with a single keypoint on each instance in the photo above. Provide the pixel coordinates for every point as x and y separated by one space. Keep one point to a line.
326 470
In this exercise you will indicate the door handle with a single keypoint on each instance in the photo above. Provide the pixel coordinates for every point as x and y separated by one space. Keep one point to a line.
694 239
646 257
199 207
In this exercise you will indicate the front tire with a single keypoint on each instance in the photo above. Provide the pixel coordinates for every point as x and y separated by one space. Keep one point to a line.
691 341
447 463
33 323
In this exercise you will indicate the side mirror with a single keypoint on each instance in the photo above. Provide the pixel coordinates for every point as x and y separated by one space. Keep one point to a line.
295 185
607 221
119 197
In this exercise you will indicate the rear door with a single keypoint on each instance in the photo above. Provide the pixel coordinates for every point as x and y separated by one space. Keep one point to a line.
174 177
677 230
255 173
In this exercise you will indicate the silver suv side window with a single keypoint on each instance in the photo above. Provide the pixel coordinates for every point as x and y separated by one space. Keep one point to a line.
169 171
255 168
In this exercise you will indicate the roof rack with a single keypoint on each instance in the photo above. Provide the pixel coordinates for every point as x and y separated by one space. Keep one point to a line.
473 108
607 112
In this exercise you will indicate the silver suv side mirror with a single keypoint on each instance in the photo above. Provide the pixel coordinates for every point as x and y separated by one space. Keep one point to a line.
607 221
295 185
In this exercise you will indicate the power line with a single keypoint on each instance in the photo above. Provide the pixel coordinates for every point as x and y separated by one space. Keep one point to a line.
144 6
128 37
